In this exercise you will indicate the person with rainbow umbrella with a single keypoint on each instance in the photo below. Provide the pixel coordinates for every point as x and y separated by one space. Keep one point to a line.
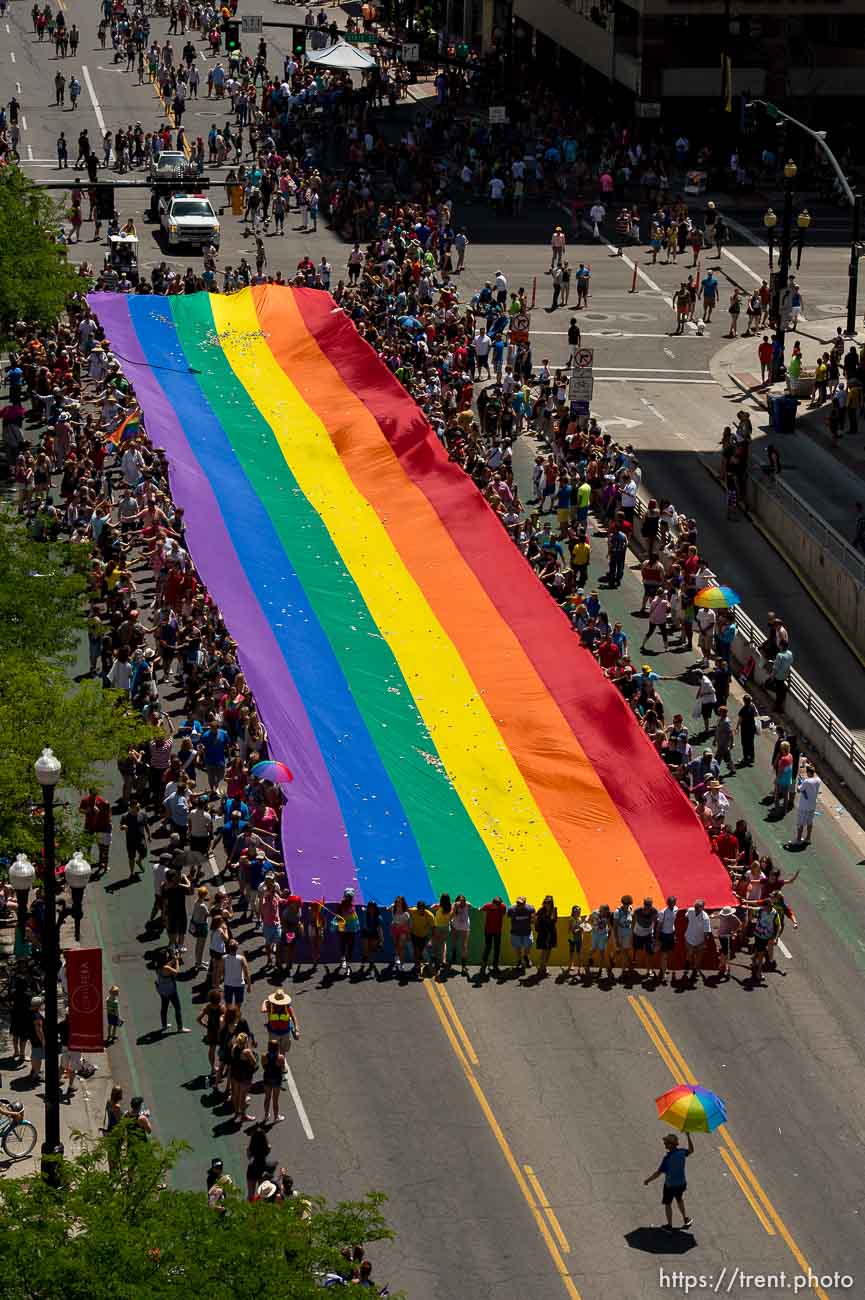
691 1109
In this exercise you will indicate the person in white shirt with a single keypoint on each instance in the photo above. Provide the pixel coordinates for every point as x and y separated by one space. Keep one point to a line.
597 212
697 932
666 924
809 792
497 189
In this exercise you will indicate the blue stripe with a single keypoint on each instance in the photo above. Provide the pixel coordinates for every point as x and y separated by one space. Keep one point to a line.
381 839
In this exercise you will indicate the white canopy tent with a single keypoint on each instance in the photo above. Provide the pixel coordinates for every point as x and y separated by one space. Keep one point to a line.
342 55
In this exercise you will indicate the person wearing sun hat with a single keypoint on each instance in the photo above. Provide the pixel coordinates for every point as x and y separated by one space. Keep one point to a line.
557 248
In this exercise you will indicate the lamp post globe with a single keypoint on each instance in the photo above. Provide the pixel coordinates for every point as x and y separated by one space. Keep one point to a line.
48 768
22 876
78 872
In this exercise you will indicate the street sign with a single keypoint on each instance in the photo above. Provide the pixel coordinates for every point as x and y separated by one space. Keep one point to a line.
584 358
498 114
360 38
648 108
520 329
411 53
250 24
581 409
581 385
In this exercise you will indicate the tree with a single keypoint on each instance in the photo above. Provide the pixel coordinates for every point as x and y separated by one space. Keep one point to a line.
42 623
115 1231
35 277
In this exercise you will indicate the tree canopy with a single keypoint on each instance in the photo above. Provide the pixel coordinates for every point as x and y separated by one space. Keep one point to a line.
35 278
42 622
115 1231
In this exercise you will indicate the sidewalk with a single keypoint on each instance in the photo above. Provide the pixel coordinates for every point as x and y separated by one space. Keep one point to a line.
817 467
82 1114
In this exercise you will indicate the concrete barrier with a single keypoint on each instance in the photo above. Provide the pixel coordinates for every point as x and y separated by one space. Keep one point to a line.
817 553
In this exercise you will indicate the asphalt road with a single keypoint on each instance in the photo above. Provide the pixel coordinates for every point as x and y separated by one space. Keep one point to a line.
443 1102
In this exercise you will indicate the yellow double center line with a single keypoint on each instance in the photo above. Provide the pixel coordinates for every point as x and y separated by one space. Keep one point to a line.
526 1179
738 1166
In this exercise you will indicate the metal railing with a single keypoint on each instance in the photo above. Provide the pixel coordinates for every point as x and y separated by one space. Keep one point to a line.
833 729
823 534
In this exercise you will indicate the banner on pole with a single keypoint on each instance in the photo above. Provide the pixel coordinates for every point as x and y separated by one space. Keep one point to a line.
84 998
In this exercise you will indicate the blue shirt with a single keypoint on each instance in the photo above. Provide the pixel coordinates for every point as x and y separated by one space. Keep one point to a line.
673 1167
214 742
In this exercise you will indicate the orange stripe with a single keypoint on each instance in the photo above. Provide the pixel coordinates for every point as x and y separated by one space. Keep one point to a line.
563 782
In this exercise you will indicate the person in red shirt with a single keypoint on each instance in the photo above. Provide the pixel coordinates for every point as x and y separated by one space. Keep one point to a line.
494 915
764 353
608 653
726 846
97 822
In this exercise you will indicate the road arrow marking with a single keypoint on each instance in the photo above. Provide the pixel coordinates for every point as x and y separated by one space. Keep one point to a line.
623 421
648 405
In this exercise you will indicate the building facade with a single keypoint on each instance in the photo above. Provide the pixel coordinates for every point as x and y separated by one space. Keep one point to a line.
663 51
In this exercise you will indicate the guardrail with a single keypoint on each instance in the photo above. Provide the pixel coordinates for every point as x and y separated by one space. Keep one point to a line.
824 534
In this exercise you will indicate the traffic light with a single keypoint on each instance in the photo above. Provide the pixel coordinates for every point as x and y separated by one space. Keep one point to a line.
231 29
298 41
104 201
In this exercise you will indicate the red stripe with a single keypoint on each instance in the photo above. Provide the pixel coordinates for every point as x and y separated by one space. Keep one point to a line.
656 810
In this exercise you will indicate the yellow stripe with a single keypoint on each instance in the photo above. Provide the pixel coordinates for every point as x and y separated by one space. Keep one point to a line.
457 1023
746 1191
547 1209
685 1073
479 763
681 1067
504 1145
659 1046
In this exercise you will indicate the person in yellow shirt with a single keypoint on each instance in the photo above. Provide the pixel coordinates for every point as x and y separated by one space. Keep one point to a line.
581 551
441 930
421 927
821 380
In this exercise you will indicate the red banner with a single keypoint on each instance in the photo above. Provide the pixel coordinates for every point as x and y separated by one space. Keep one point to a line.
84 998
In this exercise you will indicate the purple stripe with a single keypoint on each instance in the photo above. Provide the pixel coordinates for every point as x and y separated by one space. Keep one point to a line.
317 853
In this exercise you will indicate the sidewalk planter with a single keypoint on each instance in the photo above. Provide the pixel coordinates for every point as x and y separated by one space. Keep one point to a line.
801 387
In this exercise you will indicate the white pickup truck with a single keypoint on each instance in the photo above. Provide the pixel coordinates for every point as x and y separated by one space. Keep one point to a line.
188 219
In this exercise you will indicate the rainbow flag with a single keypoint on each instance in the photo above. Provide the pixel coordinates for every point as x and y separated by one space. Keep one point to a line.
126 429
445 728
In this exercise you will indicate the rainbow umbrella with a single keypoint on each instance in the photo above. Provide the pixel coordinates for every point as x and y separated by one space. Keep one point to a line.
691 1109
270 770
717 598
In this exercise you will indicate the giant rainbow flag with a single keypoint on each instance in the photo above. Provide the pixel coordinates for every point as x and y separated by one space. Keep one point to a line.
444 726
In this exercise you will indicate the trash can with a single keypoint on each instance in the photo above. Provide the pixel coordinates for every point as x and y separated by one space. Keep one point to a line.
782 414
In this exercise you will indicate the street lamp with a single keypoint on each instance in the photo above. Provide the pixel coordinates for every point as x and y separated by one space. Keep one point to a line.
48 770
770 221
78 871
803 221
22 875
779 281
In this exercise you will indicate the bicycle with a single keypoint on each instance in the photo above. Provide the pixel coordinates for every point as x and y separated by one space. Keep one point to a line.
17 1135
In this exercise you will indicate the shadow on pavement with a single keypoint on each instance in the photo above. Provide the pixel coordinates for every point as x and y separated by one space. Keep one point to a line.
656 1241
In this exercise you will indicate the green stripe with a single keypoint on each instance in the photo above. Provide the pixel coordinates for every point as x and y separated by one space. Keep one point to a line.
453 852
